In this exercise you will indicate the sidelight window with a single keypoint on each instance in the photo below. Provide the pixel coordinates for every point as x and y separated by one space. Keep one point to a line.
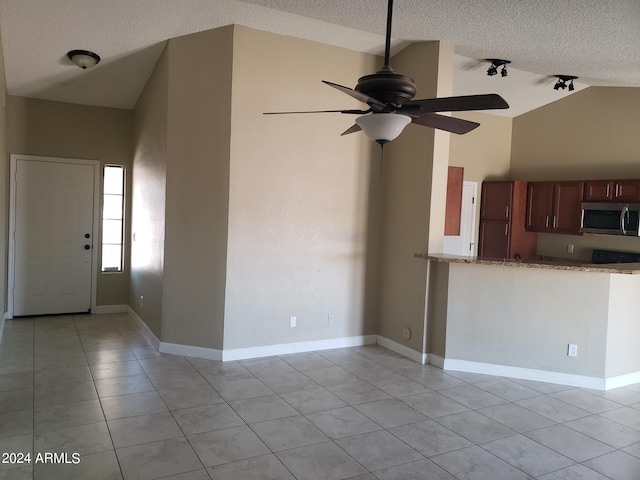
113 218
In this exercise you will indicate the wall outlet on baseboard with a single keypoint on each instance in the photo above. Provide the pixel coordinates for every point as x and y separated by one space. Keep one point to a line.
292 322
572 350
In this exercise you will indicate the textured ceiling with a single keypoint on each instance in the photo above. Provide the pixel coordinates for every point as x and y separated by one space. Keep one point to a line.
597 40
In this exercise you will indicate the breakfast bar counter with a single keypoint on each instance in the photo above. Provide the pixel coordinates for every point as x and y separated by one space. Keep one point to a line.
518 318
552 264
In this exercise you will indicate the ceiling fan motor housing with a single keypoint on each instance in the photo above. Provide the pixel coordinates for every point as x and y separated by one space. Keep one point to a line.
387 87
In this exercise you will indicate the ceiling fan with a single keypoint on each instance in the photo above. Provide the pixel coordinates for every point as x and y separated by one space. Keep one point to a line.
391 108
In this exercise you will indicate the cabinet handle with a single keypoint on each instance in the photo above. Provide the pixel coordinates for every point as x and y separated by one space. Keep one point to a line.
608 190
546 222
554 222
506 229
617 188
507 212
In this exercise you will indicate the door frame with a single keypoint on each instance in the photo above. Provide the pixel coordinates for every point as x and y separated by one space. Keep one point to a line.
12 221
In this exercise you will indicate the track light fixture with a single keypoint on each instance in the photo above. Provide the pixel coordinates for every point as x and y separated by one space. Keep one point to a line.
561 84
495 64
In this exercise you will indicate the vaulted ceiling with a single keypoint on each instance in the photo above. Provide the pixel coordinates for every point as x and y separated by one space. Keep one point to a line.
596 40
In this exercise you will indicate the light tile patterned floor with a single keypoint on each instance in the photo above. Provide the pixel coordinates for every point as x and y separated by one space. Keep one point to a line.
93 385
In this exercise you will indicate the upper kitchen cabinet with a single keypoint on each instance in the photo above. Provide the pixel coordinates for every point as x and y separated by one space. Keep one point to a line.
502 211
612 190
497 200
554 207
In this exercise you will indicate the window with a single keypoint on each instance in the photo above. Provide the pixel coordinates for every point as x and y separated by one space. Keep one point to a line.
112 218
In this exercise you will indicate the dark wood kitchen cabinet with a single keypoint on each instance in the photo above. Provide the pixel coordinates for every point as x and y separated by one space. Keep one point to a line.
612 190
554 207
502 214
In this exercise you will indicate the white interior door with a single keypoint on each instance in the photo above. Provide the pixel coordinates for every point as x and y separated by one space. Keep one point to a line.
464 243
53 239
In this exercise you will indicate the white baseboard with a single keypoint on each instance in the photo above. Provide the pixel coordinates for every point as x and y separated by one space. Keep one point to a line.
297 347
100 309
540 375
621 380
191 351
146 331
410 353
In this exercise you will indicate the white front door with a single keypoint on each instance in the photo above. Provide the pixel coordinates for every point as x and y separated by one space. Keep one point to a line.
53 239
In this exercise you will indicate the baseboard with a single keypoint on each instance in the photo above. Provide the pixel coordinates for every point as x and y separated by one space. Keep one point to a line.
436 360
146 331
621 380
526 374
190 351
2 319
297 347
100 309
410 353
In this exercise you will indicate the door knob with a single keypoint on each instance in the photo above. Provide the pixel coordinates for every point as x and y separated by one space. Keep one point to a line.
87 247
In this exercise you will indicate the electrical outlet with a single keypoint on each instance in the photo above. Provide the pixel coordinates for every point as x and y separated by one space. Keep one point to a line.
292 322
572 351
570 248
331 318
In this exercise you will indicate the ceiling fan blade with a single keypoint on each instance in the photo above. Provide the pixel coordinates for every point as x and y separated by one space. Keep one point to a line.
442 122
372 102
490 101
355 128
356 112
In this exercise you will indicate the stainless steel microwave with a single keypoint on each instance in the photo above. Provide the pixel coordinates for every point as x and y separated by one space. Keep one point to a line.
611 218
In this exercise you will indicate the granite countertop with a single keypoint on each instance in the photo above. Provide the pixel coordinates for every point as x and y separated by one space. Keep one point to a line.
552 264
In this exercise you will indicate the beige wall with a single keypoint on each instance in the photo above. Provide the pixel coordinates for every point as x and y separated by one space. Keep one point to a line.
55 129
149 198
197 175
303 201
484 153
521 317
590 134
623 354
4 189
414 179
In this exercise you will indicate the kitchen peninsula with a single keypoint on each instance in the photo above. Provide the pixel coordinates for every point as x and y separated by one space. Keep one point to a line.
518 318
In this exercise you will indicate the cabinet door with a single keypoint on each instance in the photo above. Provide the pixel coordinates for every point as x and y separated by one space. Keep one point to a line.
598 190
567 210
494 239
496 200
627 190
539 206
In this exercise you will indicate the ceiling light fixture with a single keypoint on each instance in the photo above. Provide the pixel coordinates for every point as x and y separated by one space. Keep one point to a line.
83 58
495 64
561 84
383 127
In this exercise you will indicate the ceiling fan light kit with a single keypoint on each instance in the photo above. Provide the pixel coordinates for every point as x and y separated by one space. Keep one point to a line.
383 127
83 58
389 97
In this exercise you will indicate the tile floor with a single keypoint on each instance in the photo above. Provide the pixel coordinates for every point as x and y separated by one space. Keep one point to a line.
93 386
